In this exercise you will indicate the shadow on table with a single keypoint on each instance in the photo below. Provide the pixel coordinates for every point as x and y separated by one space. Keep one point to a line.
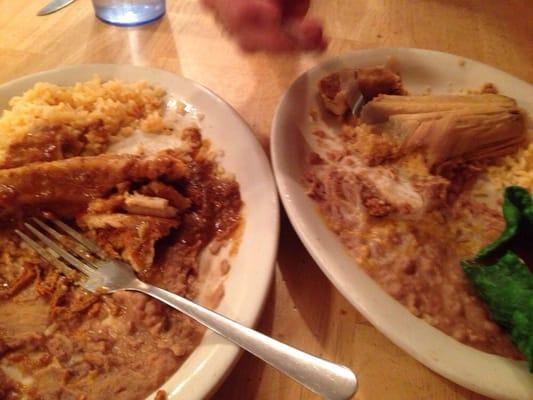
308 287
462 393
310 292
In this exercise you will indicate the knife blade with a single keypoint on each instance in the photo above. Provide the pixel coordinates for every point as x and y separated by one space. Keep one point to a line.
54 6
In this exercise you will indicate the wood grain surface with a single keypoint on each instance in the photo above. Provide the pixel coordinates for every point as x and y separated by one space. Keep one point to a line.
303 308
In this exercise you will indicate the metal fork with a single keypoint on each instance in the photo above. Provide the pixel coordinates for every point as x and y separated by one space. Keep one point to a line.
332 381
355 100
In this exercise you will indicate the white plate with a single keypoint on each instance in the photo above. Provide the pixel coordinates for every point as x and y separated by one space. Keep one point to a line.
252 268
482 372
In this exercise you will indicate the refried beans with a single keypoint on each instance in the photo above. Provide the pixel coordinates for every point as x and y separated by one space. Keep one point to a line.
395 184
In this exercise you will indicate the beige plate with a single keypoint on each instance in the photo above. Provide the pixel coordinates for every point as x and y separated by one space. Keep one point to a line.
482 372
252 268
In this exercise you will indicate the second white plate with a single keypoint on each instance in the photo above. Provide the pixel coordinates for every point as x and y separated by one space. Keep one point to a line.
249 279
484 373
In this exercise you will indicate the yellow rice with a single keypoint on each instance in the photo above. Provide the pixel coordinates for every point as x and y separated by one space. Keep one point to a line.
515 169
96 110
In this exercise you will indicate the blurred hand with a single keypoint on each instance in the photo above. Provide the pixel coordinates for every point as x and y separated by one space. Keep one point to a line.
273 25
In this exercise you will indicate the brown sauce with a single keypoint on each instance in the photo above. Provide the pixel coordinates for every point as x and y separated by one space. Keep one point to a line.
67 343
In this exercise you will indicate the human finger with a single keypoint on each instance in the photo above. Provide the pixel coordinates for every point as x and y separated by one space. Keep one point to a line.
294 8
307 34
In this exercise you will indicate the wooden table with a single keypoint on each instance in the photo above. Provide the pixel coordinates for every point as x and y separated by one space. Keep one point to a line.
303 308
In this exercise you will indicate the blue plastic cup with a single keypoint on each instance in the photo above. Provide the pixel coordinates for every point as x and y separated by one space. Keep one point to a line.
129 12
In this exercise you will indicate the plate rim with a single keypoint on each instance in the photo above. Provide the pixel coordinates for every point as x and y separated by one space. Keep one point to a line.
226 352
306 234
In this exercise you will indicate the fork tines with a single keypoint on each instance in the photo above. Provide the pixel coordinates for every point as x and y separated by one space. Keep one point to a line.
50 245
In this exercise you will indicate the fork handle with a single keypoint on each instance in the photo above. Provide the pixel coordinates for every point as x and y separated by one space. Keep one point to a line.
329 380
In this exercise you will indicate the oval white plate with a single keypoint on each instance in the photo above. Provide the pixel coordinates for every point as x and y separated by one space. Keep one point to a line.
484 373
249 279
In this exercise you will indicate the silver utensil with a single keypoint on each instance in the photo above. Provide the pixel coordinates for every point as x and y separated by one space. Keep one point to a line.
332 381
355 100
53 6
